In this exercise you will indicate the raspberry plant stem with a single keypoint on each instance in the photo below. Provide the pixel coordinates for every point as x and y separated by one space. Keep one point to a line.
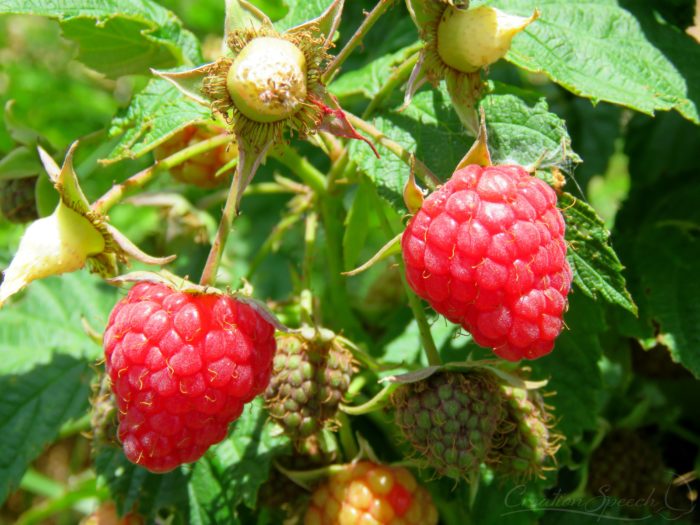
379 401
302 168
212 265
397 77
426 336
309 245
355 40
143 177
347 440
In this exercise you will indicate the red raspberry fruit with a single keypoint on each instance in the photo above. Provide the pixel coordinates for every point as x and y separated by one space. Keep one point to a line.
487 251
369 493
182 365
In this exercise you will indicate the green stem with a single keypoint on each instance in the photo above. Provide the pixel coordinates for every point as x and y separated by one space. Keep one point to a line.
117 192
66 500
356 39
302 168
36 483
427 177
397 77
309 245
331 213
75 427
347 440
426 336
379 401
212 265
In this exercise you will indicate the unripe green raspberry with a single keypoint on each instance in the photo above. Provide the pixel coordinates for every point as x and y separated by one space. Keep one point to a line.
450 419
309 379
523 442
267 80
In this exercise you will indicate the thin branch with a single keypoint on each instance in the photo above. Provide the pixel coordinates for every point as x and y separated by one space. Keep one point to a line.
369 21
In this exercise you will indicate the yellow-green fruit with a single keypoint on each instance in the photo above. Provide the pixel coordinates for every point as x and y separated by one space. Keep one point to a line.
470 39
267 80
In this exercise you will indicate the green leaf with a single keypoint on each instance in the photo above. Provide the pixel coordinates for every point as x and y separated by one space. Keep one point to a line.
597 269
118 37
301 11
154 115
606 51
132 486
34 406
658 233
231 472
572 369
521 130
47 319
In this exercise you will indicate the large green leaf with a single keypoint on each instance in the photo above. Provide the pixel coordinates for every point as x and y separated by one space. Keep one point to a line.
658 234
47 319
118 37
597 270
612 51
34 406
154 115
231 473
131 486
44 371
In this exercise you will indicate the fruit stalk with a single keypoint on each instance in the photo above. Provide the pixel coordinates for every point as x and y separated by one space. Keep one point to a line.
355 40
117 192
227 216
426 336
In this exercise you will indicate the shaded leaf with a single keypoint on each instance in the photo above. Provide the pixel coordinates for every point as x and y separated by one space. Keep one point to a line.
34 406
118 37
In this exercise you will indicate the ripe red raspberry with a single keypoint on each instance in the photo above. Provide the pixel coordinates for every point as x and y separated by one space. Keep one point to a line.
369 493
487 251
182 365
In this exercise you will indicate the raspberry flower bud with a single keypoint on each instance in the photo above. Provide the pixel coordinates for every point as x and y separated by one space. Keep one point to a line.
469 39
459 44
71 237
59 243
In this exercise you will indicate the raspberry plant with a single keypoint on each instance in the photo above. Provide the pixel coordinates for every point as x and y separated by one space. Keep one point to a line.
397 261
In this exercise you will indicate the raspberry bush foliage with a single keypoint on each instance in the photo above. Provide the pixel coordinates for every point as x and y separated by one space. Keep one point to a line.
343 262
